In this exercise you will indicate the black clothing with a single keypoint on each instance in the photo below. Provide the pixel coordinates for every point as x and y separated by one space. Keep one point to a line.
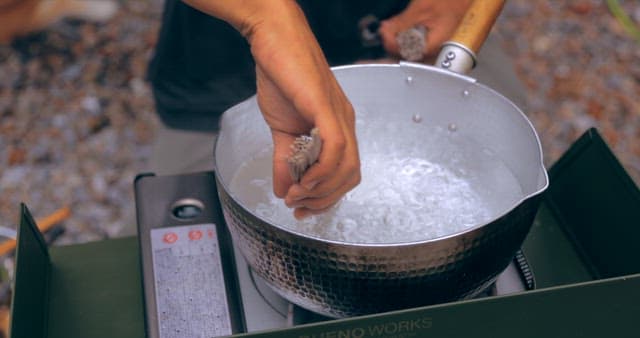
202 66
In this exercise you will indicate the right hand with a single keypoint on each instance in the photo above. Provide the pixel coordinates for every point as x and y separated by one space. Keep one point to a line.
296 92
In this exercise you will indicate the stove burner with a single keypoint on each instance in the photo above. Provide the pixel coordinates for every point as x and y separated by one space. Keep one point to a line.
489 291
291 313
518 277
525 270
275 301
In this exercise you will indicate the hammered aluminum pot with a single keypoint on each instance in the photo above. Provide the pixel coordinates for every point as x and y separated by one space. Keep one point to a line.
344 279
340 279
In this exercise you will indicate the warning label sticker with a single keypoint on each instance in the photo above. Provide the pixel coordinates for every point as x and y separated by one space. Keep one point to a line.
190 292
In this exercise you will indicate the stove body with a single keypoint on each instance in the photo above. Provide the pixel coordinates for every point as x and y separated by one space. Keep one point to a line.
263 309
582 250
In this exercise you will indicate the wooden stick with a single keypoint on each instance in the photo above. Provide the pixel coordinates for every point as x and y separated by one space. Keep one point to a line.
477 23
4 320
44 224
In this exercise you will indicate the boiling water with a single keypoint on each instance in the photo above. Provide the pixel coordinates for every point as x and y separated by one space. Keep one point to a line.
423 186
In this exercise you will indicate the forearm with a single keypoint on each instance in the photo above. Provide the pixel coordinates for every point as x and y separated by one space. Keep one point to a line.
245 15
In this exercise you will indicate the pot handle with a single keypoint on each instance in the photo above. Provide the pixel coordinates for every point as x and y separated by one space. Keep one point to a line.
459 53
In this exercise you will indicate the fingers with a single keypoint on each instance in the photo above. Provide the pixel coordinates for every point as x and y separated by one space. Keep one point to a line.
315 205
336 131
329 188
336 173
332 152
441 19
338 168
388 31
319 197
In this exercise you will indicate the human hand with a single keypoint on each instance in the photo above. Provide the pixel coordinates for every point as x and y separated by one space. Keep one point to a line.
296 92
441 18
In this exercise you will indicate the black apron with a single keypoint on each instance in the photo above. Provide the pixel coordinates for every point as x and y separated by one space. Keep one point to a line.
202 66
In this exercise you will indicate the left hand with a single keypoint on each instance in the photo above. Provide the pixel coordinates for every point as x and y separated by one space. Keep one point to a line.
441 18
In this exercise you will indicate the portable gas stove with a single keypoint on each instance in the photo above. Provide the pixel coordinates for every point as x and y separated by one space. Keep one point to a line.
189 275
582 248
213 285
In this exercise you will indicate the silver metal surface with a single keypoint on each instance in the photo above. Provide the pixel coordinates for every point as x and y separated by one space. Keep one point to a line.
456 58
340 279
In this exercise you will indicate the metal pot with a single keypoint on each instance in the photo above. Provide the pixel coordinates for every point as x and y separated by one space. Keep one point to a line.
341 279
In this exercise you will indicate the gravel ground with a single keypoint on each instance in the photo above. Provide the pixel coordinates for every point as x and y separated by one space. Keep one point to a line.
581 70
77 120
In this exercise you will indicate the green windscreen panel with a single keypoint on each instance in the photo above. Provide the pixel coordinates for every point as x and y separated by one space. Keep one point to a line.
597 204
96 290
29 306
84 290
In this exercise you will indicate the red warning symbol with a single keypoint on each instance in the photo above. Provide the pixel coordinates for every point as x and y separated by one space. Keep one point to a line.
170 237
210 233
195 235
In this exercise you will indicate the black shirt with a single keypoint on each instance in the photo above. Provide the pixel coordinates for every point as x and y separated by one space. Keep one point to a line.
202 66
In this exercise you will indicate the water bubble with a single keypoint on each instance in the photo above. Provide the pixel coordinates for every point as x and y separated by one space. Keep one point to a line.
409 190
488 151
452 127
349 223
417 118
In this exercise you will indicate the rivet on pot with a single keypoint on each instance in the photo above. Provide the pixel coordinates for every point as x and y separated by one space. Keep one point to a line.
409 80
451 55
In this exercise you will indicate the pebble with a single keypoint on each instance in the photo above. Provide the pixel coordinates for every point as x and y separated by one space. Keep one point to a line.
68 140
594 67
13 176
